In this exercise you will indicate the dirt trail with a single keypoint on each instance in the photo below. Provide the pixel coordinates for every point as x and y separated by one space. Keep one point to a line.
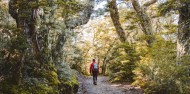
104 87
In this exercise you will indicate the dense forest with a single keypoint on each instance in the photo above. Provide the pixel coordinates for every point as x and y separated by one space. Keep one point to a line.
46 44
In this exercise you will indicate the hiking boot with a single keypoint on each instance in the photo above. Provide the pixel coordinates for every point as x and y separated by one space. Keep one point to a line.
95 83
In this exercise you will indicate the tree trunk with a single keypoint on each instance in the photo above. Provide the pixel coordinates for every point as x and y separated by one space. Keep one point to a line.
144 20
104 65
183 38
115 19
26 24
25 17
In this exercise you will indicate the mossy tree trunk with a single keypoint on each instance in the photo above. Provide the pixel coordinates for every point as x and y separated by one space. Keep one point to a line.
24 12
183 37
44 46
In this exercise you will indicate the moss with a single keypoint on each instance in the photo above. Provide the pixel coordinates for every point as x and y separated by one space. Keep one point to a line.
5 87
69 86
8 88
53 78
33 4
74 83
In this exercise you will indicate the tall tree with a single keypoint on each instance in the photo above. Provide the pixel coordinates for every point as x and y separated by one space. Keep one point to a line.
45 36
145 21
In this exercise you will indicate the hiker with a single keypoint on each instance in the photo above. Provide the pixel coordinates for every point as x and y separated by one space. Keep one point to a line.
94 69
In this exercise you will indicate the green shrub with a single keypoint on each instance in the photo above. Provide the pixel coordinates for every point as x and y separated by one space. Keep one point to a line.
123 63
158 73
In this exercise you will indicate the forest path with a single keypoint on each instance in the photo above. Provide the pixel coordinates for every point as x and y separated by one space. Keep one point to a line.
104 87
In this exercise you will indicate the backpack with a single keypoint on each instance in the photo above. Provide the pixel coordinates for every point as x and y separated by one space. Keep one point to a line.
95 66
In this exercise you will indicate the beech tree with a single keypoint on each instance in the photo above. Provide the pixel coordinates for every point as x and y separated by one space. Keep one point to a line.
35 48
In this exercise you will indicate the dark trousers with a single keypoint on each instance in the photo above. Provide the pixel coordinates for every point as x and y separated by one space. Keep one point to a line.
95 74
